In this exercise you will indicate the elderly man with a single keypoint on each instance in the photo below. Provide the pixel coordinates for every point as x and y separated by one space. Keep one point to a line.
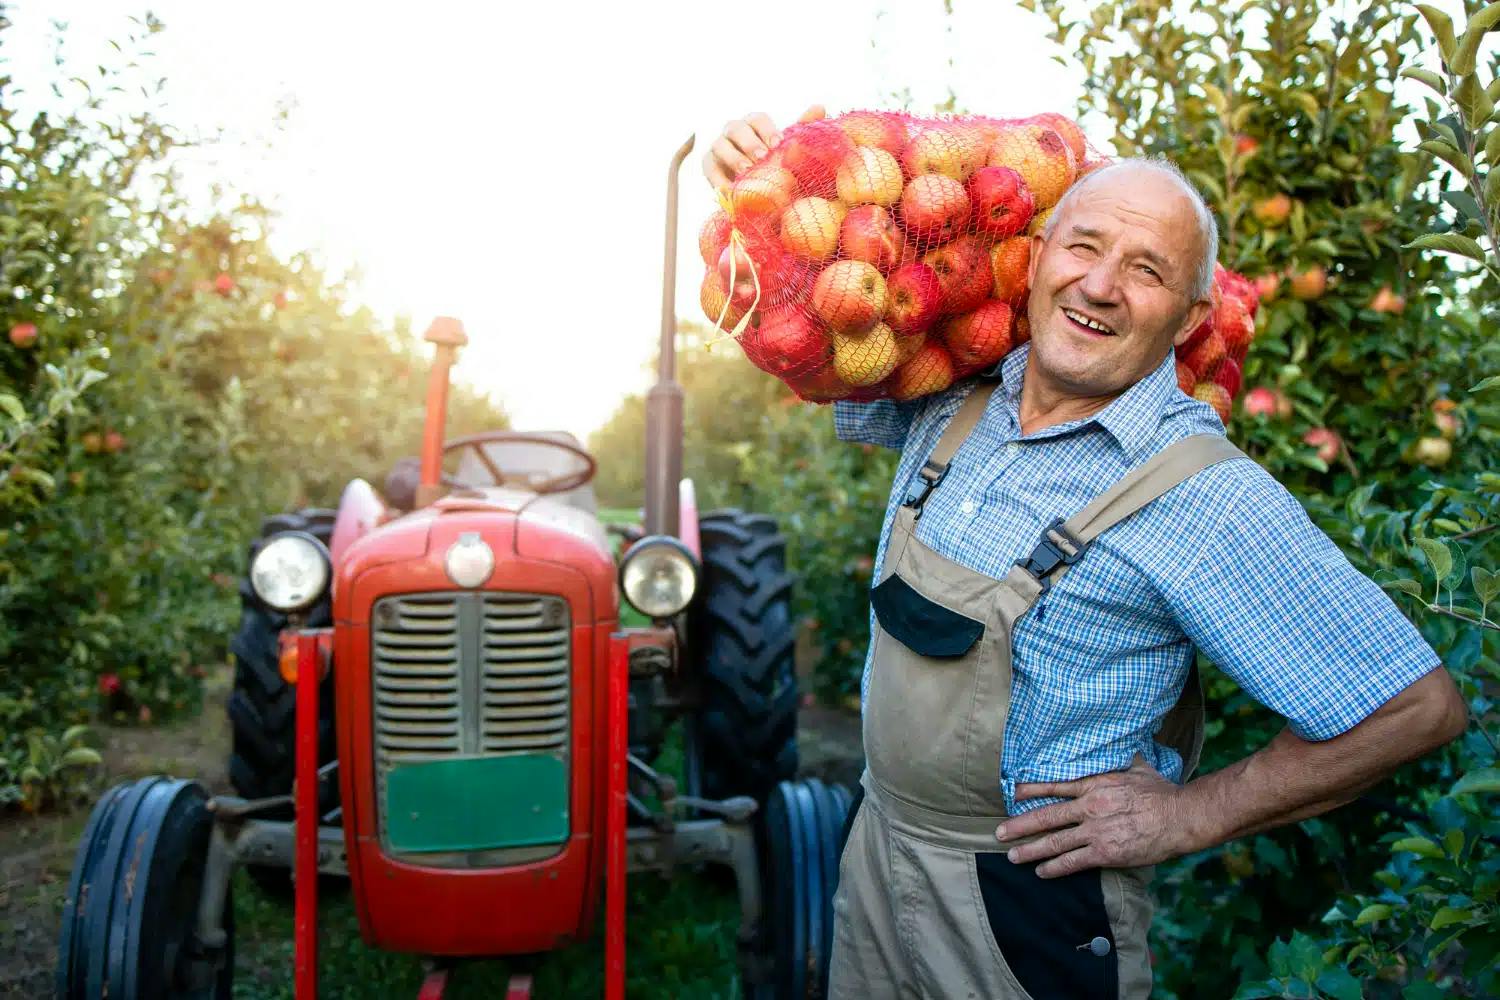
1061 535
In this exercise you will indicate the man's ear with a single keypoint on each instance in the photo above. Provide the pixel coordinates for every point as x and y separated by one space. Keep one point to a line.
1037 242
1196 314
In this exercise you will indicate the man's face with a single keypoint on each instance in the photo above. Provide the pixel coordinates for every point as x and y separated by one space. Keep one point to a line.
1123 257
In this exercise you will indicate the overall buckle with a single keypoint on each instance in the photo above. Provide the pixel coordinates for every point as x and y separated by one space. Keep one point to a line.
931 474
1058 547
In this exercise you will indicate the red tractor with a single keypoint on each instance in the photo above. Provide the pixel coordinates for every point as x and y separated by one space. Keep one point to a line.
435 697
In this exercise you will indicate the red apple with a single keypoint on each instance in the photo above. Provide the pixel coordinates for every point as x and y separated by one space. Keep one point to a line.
1433 451
1266 286
109 684
1228 376
1325 440
881 130
762 190
1205 357
714 298
1244 144
1309 284
223 284
114 441
714 237
810 228
1068 129
1272 211
935 208
738 274
1009 260
1185 378
979 338
963 272
1260 402
952 149
869 176
1002 204
914 295
1214 395
870 234
93 443
867 358
1040 156
849 296
813 151
787 343
820 386
1233 323
1022 332
930 370
1387 301
23 335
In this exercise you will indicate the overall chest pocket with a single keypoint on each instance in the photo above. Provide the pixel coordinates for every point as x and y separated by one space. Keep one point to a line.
920 623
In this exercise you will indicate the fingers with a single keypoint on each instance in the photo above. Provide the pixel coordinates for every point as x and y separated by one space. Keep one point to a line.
718 176
1074 861
812 114
1049 846
1054 789
764 128
747 139
1041 820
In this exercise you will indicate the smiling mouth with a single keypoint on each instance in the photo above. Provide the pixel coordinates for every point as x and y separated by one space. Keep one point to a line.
1087 324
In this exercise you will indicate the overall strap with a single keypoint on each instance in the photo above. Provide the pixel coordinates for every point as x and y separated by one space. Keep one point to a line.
1063 543
958 429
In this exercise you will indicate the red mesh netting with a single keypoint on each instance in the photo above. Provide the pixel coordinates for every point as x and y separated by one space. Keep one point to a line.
882 255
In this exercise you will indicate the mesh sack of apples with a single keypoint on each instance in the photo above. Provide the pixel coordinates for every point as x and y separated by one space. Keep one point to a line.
883 255
1210 360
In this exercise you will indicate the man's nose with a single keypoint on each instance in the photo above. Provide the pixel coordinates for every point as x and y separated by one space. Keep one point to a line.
1101 282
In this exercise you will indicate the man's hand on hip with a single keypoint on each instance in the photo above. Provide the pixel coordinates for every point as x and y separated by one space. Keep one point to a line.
1120 819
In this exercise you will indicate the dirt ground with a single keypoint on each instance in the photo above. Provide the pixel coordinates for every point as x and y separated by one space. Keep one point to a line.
36 853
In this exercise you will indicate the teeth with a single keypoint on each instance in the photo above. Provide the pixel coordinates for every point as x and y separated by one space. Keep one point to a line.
1085 321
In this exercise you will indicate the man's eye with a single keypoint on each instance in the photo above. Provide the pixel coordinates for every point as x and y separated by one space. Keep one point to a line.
1086 247
1150 272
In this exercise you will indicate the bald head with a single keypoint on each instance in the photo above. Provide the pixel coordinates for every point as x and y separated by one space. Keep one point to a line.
1129 173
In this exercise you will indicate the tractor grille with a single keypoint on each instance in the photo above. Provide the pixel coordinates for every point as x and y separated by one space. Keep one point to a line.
470 674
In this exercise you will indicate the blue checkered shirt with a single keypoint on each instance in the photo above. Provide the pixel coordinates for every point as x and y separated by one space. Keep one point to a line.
1227 562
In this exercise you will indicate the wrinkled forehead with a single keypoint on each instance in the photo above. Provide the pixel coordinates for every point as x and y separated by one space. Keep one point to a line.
1136 206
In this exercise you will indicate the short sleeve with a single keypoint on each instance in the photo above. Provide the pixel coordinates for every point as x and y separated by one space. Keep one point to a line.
1273 603
884 422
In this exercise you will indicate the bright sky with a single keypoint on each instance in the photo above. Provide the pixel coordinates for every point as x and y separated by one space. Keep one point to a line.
506 163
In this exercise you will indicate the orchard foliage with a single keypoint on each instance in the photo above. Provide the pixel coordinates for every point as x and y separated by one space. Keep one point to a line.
181 381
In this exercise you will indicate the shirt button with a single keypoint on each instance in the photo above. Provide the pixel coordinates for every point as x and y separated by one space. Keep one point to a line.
967 506
1099 946
1011 449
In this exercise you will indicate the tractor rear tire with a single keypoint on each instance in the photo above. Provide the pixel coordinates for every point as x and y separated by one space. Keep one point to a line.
742 635
262 706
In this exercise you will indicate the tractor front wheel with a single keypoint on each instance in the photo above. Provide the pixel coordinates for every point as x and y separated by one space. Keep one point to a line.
130 919
262 707
742 637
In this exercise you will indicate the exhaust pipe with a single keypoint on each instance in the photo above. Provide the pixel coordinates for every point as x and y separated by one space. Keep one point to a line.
664 401
448 334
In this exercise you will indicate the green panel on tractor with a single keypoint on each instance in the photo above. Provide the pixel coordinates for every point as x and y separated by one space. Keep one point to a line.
477 803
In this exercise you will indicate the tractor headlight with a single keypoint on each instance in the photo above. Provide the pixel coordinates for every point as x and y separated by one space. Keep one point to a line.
290 572
658 576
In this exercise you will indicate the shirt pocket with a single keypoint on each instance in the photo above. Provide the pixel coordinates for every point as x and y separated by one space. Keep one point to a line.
921 624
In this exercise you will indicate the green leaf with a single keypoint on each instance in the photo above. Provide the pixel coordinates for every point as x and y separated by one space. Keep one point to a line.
1453 842
1372 913
81 757
1339 984
1439 557
1483 20
1450 915
1472 99
12 406
1486 583
74 733
1442 29
1486 779
1449 154
1411 587
1418 845
1492 147
1447 243
1484 385
1428 77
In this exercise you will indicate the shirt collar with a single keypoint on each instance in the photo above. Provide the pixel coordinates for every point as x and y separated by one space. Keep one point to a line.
1132 418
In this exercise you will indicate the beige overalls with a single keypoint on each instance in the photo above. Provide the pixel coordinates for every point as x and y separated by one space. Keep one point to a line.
927 904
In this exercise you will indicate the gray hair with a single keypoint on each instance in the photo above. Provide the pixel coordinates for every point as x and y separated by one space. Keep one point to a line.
1208 227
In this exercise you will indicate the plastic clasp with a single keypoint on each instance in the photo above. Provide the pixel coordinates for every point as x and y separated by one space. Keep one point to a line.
1058 547
931 475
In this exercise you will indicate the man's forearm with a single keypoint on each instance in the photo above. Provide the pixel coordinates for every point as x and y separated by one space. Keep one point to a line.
1291 778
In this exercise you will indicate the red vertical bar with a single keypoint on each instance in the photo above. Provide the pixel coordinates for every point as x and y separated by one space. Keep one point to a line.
614 820
305 822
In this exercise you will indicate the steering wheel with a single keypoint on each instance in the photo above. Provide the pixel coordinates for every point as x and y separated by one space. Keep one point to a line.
556 484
